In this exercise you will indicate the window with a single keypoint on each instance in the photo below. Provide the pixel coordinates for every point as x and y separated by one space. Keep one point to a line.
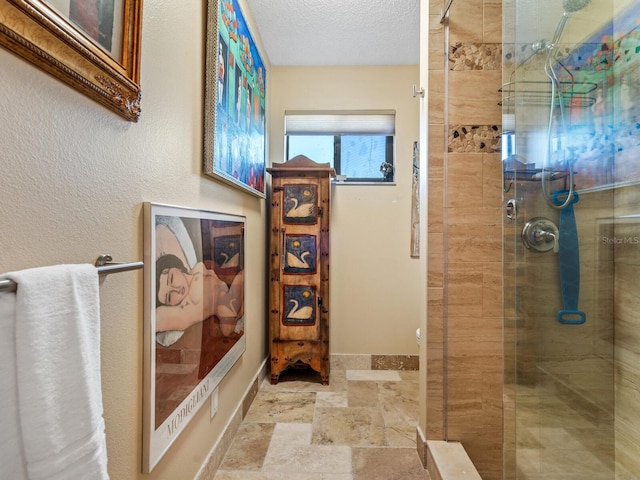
358 145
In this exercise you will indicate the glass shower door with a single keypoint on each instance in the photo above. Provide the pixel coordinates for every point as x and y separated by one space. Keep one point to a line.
570 228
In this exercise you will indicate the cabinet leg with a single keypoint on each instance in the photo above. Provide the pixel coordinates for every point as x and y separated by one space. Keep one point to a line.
274 378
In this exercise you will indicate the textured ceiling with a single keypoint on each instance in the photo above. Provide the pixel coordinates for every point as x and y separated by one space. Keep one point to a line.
339 32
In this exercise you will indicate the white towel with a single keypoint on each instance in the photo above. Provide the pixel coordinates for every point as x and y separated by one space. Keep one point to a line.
12 462
57 345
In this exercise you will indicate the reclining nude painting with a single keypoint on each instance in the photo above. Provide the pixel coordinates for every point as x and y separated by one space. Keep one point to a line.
196 310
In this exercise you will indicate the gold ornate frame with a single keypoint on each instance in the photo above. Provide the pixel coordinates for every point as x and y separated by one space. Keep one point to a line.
38 33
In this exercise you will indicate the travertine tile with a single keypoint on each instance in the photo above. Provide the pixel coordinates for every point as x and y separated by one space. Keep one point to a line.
435 393
492 22
436 6
249 447
437 96
473 242
301 450
492 290
355 426
292 380
223 475
465 21
435 318
492 180
451 461
327 459
436 43
436 151
473 98
387 463
400 437
373 375
394 362
275 407
435 203
435 266
292 434
400 403
464 180
251 395
362 394
465 289
350 362
332 399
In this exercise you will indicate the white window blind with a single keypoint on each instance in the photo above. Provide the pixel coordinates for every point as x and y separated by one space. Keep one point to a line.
376 122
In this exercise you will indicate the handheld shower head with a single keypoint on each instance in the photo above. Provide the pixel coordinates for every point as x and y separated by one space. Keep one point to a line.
572 6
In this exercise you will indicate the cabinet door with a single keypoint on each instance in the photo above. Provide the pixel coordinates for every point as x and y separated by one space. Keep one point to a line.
300 294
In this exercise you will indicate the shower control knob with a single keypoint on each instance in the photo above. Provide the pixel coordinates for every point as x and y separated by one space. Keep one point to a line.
540 234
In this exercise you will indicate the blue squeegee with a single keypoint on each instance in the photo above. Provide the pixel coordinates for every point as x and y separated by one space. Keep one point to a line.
569 261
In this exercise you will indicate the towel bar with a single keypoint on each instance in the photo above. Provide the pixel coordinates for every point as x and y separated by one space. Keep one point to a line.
103 264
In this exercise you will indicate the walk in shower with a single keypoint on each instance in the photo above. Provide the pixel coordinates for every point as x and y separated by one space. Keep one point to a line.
571 190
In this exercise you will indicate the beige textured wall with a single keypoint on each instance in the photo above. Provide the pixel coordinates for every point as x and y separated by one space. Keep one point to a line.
375 286
74 176
465 270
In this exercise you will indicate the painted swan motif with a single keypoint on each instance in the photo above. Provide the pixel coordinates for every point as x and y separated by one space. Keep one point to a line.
229 262
298 262
228 310
299 211
303 313
227 315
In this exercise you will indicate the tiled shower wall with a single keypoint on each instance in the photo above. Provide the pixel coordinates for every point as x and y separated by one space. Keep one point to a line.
627 335
464 329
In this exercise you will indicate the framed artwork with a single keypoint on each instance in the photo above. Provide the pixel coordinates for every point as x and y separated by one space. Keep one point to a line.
91 45
235 93
415 202
194 315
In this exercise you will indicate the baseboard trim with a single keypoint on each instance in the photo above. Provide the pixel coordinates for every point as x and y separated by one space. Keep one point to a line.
354 361
421 446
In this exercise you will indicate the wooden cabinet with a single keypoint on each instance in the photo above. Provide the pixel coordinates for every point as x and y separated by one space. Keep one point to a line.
299 273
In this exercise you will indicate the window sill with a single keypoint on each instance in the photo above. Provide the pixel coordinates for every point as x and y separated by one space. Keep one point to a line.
337 182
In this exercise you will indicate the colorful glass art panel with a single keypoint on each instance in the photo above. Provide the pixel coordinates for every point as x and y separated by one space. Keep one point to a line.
299 305
300 204
300 256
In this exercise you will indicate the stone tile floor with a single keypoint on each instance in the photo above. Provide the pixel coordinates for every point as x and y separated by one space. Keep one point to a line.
360 427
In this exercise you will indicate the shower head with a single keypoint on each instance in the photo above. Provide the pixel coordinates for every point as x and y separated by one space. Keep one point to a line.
572 6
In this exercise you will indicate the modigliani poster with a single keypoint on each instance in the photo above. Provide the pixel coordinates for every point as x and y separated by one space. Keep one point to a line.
234 100
194 315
